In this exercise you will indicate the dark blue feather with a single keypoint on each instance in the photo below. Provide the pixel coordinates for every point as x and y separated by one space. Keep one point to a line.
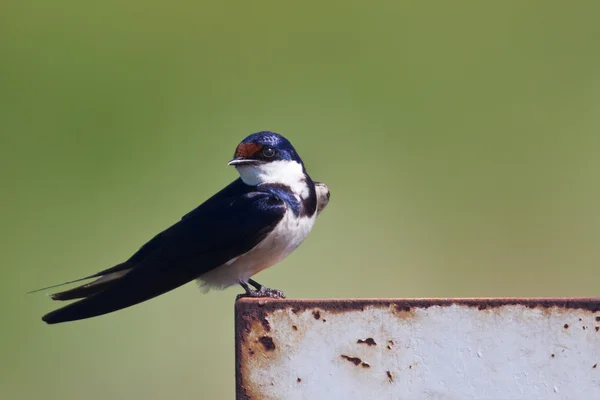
227 225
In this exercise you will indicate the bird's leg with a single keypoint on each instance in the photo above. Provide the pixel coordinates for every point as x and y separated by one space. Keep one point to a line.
256 285
261 291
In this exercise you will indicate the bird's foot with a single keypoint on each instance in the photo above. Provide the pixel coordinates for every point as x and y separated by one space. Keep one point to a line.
261 291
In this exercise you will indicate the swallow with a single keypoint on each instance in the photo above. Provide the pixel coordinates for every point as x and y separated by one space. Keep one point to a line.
252 224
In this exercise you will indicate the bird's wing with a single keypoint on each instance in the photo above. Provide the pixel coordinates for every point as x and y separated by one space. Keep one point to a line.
323 196
106 277
206 238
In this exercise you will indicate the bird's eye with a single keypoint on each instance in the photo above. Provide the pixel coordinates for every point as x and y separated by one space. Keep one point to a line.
268 152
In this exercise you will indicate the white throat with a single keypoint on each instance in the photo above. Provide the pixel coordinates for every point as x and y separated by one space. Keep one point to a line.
289 173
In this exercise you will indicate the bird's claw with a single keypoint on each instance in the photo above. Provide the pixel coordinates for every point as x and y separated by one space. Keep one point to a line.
262 292
272 293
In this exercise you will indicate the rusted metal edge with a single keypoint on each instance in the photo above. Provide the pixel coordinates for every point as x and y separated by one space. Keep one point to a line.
591 304
248 310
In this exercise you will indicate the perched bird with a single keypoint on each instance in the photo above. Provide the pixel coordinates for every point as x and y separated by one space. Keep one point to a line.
251 224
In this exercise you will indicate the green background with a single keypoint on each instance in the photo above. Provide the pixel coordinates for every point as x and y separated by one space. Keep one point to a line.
460 141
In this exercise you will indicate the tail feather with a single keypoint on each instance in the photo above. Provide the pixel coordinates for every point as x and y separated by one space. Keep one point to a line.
117 268
131 288
90 288
61 284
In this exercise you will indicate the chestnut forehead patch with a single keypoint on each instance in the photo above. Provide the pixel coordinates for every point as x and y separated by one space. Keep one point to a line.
246 150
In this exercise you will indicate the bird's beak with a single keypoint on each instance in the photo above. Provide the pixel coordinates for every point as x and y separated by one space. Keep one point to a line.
242 161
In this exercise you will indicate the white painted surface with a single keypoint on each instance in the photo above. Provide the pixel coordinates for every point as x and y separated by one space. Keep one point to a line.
449 352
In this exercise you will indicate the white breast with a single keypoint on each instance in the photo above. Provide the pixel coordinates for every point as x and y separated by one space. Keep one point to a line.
285 238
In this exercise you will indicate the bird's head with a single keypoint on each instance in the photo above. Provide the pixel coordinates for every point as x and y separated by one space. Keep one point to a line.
268 157
262 148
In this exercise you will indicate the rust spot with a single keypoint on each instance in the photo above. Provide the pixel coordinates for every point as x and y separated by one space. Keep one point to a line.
298 380
267 342
365 365
410 367
402 311
390 376
482 307
294 327
353 360
317 314
251 352
597 328
258 315
595 365
598 318
324 320
247 149
580 320
367 341
566 326
295 310
265 324
552 355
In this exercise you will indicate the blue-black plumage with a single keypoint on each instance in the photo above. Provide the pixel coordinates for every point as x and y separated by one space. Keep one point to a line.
250 225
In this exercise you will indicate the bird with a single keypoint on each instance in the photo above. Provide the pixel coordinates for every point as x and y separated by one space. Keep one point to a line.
253 223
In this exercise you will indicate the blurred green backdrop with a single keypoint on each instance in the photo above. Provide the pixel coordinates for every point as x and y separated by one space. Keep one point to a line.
459 139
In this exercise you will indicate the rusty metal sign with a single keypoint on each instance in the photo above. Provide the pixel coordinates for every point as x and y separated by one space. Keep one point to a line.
450 349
